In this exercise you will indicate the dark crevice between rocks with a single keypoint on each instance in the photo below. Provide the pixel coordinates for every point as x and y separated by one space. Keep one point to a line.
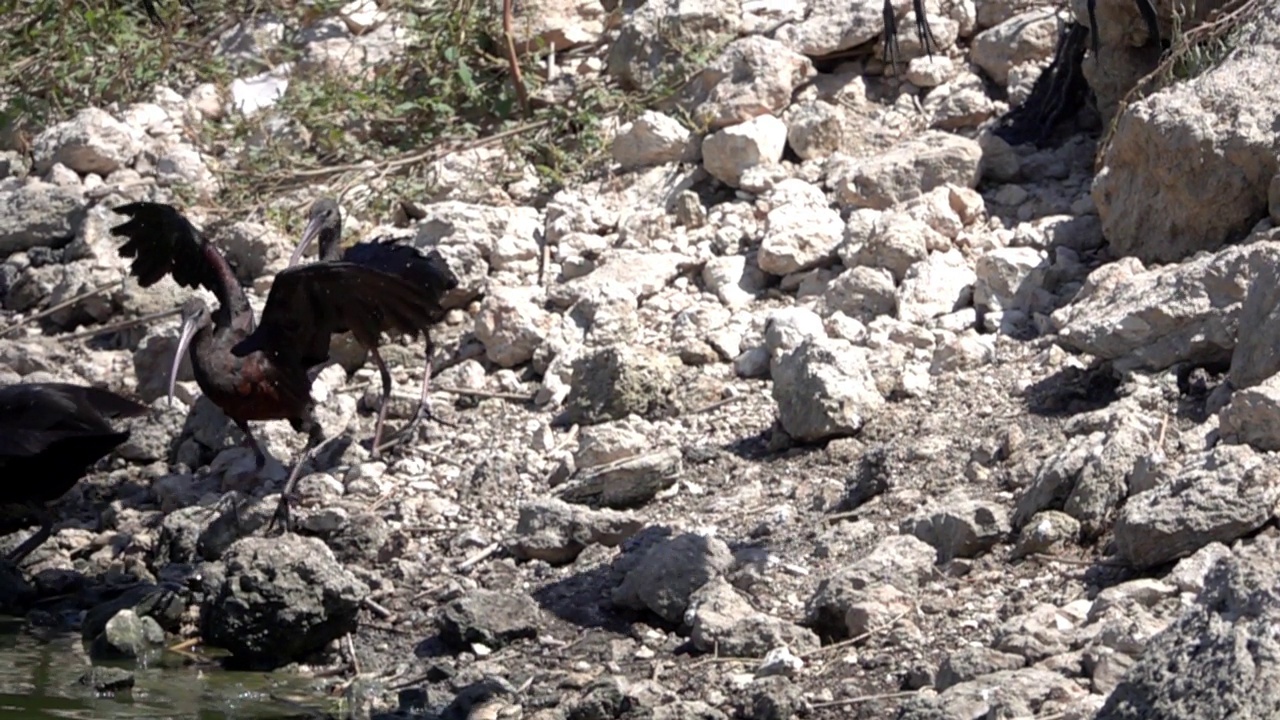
578 600
1071 391
1197 384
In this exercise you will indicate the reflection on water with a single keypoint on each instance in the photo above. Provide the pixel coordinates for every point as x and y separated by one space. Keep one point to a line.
40 674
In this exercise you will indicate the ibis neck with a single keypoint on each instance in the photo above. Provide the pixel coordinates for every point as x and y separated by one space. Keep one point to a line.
331 243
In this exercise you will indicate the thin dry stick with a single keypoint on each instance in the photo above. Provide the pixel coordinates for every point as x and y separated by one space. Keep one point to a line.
852 640
716 405
866 698
395 441
1073 561
497 395
185 644
837 517
351 648
122 325
438 457
1227 18
102 191
377 609
414 680
382 499
60 306
470 562
544 259
433 152
384 628
428 452
564 442
522 92
722 659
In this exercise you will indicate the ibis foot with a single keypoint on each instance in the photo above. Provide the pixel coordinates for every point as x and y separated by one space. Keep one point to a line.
315 443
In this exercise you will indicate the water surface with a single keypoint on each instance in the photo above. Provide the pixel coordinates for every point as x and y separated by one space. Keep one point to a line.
40 672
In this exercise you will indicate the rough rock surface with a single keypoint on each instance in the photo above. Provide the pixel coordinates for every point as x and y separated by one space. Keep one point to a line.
278 601
1185 137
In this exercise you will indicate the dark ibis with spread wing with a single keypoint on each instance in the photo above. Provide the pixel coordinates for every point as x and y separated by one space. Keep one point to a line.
430 272
263 371
51 434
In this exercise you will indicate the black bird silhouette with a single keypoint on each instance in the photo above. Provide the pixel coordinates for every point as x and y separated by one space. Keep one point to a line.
50 435
428 271
269 374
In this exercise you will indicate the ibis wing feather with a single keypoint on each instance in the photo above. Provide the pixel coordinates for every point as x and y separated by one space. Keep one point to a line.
104 402
429 273
161 241
430 270
310 303
36 416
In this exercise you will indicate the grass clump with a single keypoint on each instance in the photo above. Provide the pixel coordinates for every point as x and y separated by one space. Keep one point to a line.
1193 50
58 57
447 85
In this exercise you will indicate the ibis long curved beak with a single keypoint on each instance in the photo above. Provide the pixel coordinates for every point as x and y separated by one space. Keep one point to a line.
308 236
184 341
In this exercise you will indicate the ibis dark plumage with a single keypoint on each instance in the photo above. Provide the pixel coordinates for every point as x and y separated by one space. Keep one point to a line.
429 272
263 371
50 435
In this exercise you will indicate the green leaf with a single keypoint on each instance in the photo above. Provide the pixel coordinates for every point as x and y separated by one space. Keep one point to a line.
468 80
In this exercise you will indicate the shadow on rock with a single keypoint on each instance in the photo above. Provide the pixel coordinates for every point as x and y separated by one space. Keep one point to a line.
584 599
1072 390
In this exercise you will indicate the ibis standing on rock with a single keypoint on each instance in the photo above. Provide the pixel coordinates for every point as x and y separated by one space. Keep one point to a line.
50 435
263 372
429 272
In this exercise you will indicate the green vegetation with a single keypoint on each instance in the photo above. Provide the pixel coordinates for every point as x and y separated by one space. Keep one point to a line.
1193 50
450 87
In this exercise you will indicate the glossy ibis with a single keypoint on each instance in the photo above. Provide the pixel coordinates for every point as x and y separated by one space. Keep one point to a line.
50 435
428 271
263 372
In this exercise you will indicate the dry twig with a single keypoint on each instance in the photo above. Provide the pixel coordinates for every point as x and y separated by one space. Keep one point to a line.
1223 21
866 698
122 325
61 306
857 639
474 560
513 59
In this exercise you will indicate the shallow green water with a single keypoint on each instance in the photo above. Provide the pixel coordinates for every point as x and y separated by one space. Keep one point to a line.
40 672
